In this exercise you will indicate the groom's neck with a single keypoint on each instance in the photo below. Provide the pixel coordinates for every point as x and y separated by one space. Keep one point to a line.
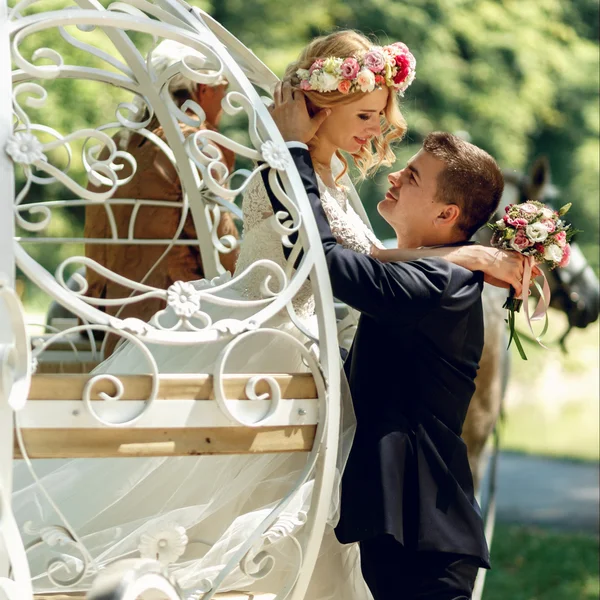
411 240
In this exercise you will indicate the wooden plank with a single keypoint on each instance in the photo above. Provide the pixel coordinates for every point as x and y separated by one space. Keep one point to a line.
66 367
170 414
171 386
119 442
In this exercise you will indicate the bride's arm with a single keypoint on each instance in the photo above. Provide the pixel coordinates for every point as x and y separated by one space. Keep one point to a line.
501 268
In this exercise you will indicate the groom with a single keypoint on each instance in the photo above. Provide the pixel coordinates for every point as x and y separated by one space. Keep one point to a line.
407 491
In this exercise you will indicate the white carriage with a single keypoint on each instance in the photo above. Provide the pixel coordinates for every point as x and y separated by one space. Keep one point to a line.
63 411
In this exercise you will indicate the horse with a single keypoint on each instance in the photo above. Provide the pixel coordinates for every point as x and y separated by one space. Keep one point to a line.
575 291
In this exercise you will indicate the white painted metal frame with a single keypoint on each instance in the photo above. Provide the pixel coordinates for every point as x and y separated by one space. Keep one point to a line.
197 162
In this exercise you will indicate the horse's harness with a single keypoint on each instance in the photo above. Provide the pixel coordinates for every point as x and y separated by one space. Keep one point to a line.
571 298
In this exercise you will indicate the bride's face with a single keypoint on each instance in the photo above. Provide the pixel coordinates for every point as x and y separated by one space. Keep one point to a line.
351 126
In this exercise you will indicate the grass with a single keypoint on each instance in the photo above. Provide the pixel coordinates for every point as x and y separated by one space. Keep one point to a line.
534 564
552 402
582 348
572 432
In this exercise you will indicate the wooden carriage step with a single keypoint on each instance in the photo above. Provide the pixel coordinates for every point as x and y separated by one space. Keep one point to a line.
115 443
184 420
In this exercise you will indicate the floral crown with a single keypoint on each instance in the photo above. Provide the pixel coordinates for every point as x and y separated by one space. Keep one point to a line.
392 65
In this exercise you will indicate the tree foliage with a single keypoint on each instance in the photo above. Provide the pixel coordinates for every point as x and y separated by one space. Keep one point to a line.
521 77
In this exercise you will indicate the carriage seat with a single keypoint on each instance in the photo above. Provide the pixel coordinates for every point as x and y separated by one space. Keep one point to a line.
184 419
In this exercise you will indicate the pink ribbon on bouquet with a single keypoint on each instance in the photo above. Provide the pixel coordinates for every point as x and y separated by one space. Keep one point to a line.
543 302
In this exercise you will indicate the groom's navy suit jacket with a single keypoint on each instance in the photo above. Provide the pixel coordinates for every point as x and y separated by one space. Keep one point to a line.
411 371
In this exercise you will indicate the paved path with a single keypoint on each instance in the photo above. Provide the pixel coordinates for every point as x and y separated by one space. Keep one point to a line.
549 492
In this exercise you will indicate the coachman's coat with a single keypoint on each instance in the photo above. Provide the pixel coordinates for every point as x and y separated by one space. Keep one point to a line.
155 179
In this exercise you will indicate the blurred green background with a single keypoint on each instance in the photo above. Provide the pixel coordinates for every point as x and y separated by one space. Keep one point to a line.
521 77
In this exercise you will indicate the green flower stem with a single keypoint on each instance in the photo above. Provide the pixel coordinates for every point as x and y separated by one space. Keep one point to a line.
513 304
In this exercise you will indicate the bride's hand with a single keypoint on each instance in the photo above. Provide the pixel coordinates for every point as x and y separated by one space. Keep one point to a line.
501 268
291 115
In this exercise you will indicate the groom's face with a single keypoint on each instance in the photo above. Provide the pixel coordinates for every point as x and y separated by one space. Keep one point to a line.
410 204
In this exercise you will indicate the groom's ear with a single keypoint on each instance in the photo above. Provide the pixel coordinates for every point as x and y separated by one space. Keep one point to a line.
448 215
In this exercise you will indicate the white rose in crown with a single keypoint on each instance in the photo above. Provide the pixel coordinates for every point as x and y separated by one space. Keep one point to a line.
323 82
536 232
366 80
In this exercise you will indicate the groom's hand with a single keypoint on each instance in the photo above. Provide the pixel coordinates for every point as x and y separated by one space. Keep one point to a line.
291 115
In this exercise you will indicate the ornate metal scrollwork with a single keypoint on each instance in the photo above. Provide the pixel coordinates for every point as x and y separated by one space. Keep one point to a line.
210 188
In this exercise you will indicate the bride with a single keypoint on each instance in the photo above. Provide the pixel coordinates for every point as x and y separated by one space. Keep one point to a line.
205 507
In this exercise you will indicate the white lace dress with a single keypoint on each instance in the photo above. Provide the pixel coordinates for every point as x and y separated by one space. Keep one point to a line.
207 505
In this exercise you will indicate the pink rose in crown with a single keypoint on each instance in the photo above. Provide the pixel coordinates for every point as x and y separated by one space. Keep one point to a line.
561 238
374 61
566 258
305 85
344 86
350 68
318 64
403 65
403 48
549 225
520 241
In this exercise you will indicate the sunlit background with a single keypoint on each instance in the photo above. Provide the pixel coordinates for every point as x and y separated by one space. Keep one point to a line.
520 78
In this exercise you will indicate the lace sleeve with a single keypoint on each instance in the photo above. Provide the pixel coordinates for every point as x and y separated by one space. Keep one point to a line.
346 226
363 228
256 207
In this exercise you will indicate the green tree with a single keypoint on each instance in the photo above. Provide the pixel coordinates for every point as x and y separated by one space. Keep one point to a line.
521 77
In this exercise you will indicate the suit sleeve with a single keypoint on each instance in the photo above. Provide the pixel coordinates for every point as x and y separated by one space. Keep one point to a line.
396 291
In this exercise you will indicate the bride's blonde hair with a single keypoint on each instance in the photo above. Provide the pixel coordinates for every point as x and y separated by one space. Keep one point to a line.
343 44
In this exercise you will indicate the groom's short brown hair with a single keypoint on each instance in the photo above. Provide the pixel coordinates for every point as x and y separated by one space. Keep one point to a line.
472 179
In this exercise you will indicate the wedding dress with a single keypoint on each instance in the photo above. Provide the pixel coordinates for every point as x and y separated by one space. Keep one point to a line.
205 507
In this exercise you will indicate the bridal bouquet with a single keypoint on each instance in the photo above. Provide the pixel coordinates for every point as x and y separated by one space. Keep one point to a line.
539 233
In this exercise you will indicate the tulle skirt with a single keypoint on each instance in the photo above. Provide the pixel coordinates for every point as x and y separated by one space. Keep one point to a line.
192 513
